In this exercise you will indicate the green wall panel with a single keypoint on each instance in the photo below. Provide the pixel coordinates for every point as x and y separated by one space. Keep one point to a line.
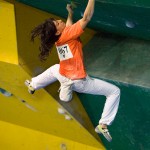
141 3
131 128
129 18
124 62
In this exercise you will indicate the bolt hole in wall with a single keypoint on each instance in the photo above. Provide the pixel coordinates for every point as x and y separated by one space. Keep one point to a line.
63 146
9 94
5 93
129 24
63 112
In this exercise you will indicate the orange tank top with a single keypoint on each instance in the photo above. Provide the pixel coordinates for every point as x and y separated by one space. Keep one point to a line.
69 48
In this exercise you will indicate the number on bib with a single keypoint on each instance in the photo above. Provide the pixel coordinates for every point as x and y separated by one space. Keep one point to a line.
64 52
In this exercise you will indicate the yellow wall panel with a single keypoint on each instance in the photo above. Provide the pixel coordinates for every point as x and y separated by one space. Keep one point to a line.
13 137
8 42
39 111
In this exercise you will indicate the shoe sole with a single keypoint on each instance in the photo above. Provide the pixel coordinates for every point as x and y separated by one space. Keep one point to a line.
27 83
106 135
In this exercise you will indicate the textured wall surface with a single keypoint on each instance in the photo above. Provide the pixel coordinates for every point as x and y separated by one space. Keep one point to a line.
125 17
124 62
39 112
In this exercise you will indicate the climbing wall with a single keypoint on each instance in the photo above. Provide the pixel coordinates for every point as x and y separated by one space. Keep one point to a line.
124 62
124 17
121 59
24 117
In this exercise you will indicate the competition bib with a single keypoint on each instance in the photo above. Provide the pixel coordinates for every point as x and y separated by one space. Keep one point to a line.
64 52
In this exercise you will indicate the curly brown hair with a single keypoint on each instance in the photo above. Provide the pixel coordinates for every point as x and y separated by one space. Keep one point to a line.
46 32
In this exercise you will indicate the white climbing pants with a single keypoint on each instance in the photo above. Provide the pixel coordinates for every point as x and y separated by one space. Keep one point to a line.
87 85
